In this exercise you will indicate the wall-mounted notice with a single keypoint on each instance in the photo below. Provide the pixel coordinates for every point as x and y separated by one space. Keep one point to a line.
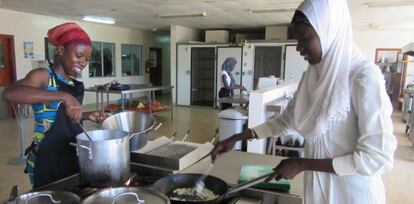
28 50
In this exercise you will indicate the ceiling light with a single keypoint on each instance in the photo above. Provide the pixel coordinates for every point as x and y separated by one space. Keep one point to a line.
163 16
274 10
389 4
99 19
373 26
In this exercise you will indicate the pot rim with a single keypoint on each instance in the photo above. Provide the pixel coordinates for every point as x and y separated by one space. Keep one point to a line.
82 136
154 121
29 195
125 189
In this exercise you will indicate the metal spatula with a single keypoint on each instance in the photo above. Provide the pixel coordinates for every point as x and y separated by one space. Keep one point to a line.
248 184
84 131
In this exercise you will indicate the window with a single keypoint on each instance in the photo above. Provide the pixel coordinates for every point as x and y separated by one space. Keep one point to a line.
49 51
102 63
131 59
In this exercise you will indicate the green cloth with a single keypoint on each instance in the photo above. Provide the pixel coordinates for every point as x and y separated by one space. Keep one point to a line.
251 171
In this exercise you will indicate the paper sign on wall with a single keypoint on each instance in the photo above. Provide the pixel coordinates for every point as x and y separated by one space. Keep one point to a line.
28 50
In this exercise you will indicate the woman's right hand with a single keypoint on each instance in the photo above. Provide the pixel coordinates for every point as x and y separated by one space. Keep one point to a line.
223 147
72 107
241 87
228 144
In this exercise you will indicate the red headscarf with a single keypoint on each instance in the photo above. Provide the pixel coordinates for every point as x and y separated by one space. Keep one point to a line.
67 33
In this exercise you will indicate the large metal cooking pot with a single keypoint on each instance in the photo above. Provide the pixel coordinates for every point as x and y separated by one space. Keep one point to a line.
57 197
127 195
104 161
136 123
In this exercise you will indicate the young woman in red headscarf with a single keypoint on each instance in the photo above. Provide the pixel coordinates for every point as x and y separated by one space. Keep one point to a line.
56 97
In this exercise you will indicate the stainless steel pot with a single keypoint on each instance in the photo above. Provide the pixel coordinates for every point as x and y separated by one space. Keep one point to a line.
58 197
126 195
104 161
136 123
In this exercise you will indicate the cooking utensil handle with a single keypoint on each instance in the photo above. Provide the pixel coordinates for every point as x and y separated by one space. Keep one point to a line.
173 136
150 130
215 136
139 201
82 146
186 135
248 184
84 131
13 194
42 195
156 127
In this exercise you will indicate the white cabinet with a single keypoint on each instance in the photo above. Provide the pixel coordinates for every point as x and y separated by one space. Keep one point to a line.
195 64
295 64
263 58
183 75
247 67
194 59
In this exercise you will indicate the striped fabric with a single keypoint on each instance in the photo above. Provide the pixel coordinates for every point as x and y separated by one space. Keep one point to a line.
45 115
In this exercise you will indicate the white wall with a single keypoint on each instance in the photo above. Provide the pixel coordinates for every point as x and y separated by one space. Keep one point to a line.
276 33
366 40
33 28
179 34
369 40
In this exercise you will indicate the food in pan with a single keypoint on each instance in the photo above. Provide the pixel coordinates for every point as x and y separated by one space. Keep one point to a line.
187 194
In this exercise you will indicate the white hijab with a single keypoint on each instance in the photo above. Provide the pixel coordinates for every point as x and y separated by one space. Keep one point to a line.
323 94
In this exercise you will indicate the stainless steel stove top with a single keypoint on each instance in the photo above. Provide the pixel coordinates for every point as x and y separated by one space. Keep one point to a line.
248 196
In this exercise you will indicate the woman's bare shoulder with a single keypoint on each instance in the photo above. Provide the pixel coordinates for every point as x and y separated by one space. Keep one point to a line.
35 78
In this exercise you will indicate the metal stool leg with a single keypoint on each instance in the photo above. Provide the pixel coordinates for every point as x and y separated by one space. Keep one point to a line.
21 159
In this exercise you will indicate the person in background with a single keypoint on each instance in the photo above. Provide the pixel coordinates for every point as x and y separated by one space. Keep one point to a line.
56 97
228 82
341 109
388 80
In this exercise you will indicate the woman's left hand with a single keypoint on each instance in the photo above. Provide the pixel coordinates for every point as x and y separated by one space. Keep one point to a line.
287 169
96 116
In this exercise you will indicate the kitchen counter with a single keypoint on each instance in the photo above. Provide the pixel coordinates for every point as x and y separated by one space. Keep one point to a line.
227 167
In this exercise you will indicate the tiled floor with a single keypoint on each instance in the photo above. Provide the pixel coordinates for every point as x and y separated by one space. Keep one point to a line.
399 183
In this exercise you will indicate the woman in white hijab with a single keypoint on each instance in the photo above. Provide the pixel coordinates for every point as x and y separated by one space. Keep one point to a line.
341 109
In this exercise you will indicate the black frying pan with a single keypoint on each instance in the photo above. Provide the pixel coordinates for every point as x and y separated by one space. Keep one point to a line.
169 183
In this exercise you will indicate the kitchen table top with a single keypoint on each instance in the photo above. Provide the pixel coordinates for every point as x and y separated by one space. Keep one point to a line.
227 167
234 99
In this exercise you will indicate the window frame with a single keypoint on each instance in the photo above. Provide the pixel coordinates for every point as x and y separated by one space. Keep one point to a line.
131 67
102 60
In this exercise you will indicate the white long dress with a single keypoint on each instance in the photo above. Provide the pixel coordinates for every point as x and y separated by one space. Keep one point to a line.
362 147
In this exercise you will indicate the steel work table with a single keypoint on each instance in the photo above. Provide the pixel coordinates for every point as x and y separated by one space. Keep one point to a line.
133 88
234 99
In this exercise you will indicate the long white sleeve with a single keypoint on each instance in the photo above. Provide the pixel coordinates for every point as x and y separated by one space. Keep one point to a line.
374 152
278 126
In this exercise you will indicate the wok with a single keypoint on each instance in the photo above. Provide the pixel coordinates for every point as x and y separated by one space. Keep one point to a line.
169 183
219 187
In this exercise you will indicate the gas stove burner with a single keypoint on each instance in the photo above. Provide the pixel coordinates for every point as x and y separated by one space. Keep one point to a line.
143 181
